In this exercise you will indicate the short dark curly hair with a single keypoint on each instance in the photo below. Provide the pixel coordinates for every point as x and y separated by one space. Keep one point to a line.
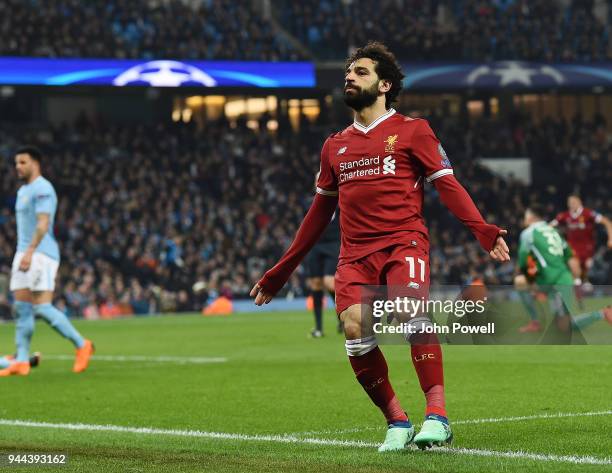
34 152
386 67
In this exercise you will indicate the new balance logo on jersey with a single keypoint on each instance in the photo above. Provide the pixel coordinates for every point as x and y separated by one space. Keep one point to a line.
341 150
389 165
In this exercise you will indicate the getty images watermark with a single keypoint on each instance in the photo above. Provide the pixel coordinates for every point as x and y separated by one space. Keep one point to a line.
489 315
406 310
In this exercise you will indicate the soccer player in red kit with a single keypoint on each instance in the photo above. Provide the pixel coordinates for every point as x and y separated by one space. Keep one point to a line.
376 169
579 223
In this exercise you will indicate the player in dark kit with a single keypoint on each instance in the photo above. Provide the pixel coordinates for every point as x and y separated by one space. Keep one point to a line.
321 265
376 170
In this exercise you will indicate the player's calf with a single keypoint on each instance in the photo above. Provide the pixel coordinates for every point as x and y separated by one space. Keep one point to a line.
24 328
59 322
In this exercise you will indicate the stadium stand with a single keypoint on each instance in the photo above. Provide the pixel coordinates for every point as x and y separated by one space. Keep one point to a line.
540 30
214 29
146 212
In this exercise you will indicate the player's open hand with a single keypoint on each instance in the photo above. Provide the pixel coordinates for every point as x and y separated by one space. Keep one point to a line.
500 251
260 296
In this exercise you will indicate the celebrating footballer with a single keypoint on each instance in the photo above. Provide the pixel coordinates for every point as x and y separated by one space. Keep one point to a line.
375 170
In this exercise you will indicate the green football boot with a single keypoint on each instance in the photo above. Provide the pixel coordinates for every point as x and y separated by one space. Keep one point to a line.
435 431
399 434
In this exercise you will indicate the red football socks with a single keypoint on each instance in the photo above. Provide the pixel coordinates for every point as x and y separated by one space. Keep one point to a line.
427 361
372 373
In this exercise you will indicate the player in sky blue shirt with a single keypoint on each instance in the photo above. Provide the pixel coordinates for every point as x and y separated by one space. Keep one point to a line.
32 199
35 266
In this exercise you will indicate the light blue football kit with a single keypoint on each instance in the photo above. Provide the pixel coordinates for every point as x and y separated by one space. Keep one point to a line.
37 197
32 199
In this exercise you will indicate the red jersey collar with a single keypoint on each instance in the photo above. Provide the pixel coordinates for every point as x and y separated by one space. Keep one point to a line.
364 129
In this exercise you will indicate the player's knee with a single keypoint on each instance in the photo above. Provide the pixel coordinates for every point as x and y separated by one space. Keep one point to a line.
351 318
47 312
520 282
23 295
563 323
328 282
352 329
315 284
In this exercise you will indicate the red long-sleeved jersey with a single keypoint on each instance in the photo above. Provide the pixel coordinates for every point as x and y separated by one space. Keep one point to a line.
377 174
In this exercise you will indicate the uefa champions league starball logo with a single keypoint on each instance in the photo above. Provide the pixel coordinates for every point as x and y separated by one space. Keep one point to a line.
164 74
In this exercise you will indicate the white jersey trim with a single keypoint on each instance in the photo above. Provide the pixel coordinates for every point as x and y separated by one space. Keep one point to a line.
326 192
371 126
578 212
437 174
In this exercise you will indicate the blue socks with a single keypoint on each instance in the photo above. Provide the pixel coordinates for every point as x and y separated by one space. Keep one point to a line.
59 322
24 328
584 320
4 363
442 419
406 424
529 304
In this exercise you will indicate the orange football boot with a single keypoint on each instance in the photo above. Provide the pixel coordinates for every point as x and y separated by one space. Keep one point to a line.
532 327
19 368
83 355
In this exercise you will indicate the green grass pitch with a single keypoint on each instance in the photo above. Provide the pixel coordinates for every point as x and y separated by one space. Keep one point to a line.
251 393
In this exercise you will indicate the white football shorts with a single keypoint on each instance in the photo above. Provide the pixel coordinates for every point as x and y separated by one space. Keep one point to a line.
40 276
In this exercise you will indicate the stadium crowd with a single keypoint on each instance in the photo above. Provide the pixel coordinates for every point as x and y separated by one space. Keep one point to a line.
474 30
175 29
158 218
146 212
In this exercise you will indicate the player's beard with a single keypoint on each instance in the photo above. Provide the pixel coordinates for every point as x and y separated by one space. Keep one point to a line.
361 98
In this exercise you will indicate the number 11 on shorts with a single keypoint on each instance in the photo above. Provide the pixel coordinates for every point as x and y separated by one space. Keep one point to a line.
411 267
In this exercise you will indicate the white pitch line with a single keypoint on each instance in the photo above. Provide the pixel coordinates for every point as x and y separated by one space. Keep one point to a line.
557 415
522 455
141 358
574 459
534 417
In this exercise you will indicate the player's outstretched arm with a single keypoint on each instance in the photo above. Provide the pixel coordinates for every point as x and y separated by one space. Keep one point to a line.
605 221
458 201
316 220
